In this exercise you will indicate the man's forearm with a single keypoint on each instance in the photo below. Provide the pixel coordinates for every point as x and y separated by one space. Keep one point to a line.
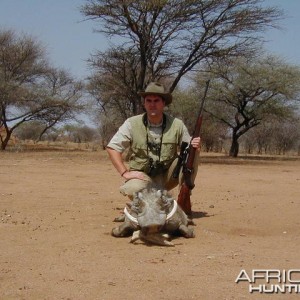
117 160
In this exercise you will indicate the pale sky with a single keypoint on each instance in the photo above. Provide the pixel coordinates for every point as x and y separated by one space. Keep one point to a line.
58 25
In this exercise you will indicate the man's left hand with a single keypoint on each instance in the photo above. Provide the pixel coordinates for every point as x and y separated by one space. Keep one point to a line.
196 142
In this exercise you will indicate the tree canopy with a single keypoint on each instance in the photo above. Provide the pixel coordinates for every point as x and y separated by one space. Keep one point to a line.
246 92
166 39
30 89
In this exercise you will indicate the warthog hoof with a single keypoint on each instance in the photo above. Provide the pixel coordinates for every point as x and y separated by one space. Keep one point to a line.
187 232
121 232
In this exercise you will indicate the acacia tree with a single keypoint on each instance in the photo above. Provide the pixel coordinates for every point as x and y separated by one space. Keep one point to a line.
64 99
166 39
286 136
245 92
259 138
114 81
274 136
30 89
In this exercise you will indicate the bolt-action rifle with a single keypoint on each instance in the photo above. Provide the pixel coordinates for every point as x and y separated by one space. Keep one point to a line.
186 160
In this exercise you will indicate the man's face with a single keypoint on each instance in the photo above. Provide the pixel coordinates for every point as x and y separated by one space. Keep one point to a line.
154 105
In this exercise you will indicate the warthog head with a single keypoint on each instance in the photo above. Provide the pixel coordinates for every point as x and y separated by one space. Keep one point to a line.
151 209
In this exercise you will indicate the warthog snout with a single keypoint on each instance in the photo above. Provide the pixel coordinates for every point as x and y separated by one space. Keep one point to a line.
151 213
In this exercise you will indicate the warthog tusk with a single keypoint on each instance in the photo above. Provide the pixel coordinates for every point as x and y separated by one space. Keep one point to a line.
135 220
172 212
130 217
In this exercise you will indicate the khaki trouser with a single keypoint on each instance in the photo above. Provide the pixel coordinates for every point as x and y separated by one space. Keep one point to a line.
163 181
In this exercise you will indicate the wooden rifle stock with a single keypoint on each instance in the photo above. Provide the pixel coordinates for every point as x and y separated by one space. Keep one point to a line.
184 198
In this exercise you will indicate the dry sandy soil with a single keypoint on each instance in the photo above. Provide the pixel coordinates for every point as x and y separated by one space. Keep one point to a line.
57 211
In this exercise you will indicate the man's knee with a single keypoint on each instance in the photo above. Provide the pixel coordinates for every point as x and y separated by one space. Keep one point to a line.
133 186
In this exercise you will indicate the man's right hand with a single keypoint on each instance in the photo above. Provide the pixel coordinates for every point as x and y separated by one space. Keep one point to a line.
134 175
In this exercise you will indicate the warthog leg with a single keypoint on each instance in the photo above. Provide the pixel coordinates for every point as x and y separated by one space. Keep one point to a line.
190 222
186 231
120 218
135 236
123 230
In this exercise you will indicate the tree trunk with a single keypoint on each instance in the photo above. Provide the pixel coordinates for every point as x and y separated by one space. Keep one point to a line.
5 141
234 149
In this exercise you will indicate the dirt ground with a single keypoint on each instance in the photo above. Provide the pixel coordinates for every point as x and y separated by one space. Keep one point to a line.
57 211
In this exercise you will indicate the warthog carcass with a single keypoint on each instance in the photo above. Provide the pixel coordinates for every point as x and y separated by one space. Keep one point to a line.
152 217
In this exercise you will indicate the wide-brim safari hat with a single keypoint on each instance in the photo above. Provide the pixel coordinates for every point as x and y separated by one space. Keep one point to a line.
155 88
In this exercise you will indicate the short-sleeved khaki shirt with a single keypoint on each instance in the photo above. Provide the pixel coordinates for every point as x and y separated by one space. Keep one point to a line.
122 139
